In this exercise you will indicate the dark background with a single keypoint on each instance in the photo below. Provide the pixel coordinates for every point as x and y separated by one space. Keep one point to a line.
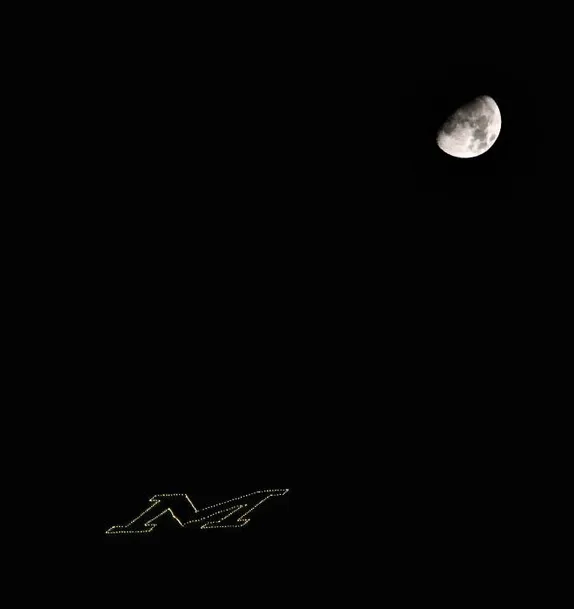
292 286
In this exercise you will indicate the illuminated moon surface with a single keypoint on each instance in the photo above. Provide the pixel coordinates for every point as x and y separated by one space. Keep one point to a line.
472 129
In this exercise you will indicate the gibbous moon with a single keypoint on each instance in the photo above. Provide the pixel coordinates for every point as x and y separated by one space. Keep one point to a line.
472 129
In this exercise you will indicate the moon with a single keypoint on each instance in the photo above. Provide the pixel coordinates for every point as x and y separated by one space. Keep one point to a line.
472 129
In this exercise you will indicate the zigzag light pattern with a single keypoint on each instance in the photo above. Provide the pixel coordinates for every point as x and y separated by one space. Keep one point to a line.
221 515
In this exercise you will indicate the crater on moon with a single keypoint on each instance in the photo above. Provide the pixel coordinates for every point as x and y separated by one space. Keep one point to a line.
472 129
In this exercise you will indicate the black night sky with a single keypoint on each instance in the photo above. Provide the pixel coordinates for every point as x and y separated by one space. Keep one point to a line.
294 287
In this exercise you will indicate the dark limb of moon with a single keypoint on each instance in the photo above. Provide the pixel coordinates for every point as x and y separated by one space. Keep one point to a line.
474 107
451 124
